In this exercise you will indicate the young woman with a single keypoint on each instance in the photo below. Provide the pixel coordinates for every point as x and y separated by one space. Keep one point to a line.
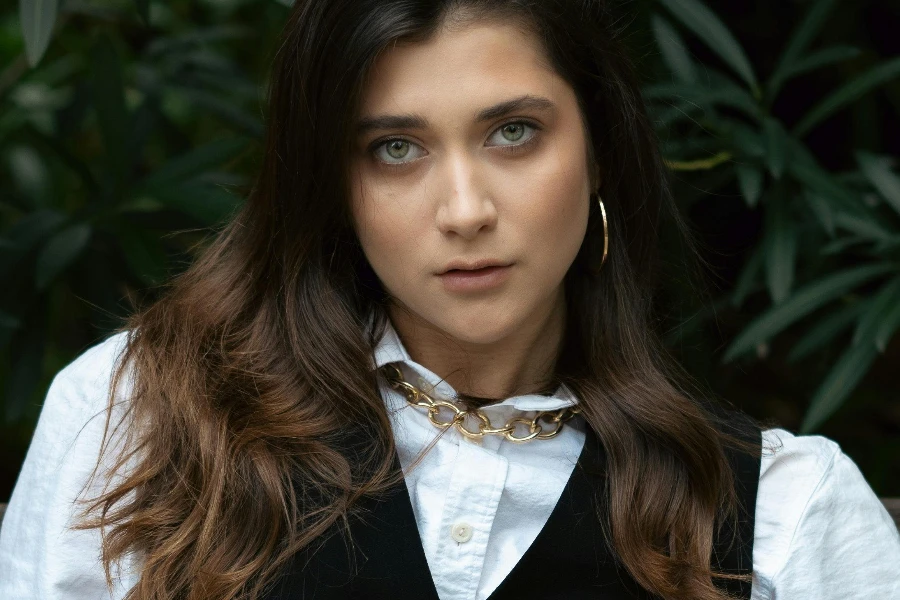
421 362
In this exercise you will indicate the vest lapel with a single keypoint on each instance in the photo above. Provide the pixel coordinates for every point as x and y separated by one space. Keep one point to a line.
385 561
571 558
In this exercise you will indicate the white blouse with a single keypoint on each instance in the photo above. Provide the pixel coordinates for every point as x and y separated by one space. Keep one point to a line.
820 531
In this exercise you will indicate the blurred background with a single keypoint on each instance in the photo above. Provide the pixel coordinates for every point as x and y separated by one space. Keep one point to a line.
130 128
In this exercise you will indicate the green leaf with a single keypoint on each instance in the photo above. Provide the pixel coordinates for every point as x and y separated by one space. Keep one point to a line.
799 42
848 93
826 330
697 17
29 173
801 303
883 247
776 146
840 245
884 302
143 252
876 169
195 162
748 141
209 204
842 379
780 246
822 210
747 279
750 181
888 326
820 181
141 203
862 224
687 147
225 109
37 18
823 58
109 102
674 52
61 251
720 94
32 228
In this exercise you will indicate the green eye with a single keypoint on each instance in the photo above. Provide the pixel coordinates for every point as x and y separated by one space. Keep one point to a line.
514 135
513 131
398 149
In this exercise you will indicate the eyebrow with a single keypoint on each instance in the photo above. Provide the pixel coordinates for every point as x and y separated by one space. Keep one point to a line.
416 121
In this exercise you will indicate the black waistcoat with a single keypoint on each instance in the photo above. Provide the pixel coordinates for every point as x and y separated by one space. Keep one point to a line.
569 560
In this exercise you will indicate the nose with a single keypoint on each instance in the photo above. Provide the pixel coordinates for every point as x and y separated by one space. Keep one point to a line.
466 209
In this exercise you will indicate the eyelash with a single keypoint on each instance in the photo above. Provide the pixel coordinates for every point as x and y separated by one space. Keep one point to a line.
508 148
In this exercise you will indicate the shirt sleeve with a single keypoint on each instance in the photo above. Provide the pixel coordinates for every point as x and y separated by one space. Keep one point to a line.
40 556
821 532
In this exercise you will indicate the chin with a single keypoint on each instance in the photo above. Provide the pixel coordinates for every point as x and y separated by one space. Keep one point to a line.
478 325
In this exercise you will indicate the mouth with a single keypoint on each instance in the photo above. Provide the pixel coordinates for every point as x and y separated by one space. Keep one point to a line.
470 266
475 277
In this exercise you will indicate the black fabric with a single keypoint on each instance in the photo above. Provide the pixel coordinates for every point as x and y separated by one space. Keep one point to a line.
570 559
385 559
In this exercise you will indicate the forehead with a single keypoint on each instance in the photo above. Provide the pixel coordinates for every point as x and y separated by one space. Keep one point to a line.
466 65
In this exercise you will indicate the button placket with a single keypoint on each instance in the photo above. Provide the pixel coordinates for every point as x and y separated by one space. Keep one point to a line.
471 505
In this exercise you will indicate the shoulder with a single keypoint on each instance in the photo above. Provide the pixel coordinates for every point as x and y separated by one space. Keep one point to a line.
792 467
782 450
815 517
77 403
95 365
84 384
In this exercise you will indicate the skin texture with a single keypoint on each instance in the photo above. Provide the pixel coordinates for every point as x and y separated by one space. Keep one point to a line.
514 187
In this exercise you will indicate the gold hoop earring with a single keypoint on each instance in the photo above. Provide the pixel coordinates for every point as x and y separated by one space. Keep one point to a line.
605 232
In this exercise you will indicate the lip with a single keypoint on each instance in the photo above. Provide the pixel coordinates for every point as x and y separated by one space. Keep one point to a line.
474 276
473 265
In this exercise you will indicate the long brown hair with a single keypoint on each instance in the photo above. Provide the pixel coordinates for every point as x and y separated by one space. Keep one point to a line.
251 376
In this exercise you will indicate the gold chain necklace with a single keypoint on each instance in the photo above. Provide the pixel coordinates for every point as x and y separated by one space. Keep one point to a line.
553 419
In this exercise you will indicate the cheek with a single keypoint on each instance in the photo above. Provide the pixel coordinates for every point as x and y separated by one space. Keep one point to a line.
383 225
557 206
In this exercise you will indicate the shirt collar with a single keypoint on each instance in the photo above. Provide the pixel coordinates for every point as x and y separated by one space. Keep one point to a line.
391 349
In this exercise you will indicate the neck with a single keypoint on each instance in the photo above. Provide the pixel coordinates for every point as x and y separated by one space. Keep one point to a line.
519 363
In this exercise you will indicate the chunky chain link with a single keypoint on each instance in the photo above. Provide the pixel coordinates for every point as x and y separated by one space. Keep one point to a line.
546 424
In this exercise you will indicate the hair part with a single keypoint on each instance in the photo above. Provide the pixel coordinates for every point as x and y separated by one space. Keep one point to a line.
247 445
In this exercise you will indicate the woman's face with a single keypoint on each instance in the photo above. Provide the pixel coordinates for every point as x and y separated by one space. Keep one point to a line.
470 180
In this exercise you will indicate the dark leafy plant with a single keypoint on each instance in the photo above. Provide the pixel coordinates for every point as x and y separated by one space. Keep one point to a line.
829 257
121 148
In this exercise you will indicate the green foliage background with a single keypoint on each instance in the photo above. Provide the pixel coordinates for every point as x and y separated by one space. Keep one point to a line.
129 128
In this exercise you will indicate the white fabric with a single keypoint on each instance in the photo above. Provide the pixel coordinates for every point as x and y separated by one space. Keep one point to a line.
821 533
504 490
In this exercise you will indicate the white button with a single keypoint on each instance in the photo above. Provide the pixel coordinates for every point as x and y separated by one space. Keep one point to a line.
423 385
461 532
